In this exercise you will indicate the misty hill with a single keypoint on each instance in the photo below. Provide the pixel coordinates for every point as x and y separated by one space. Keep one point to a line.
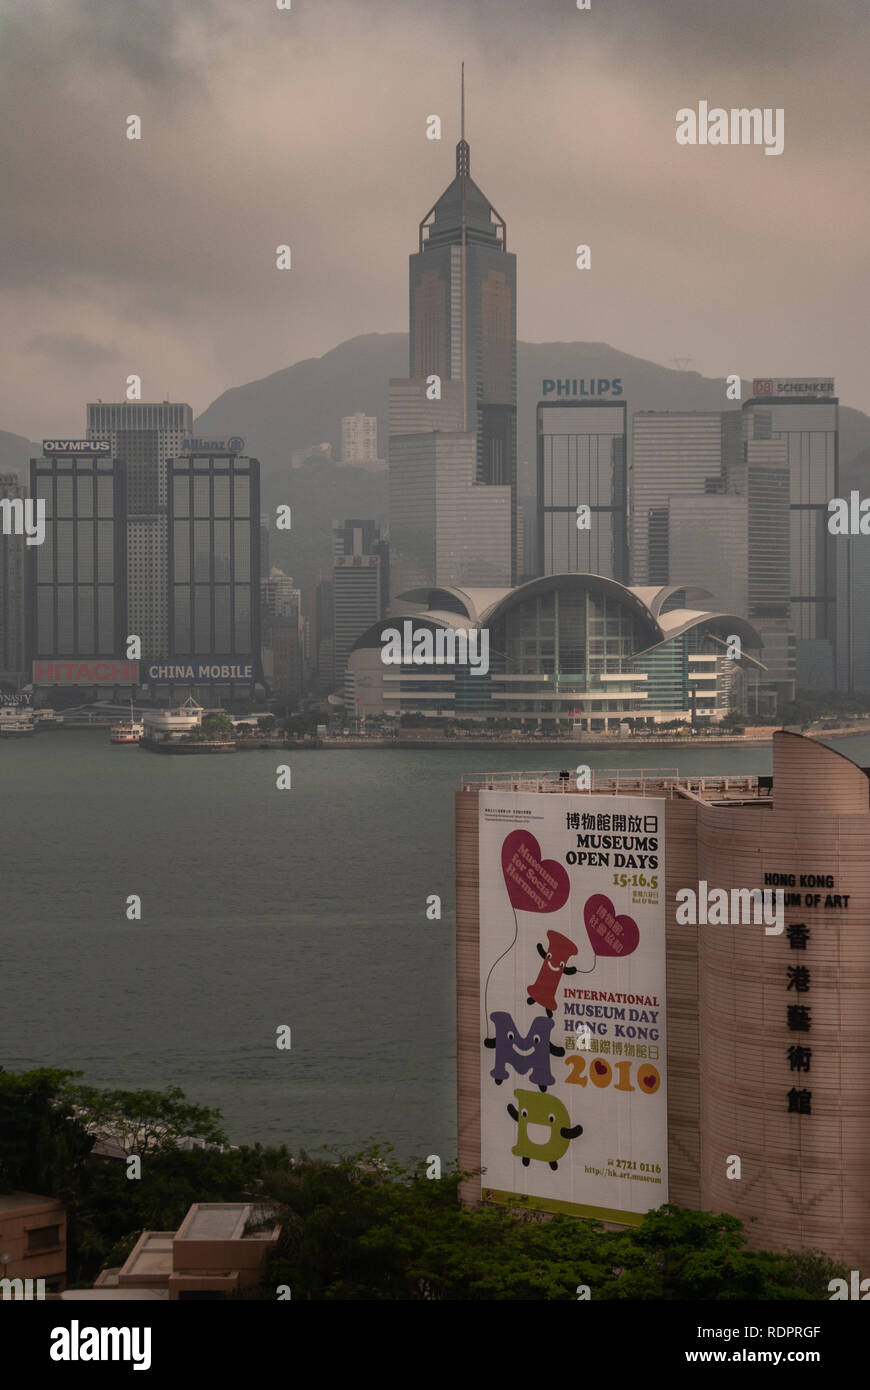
15 454
303 405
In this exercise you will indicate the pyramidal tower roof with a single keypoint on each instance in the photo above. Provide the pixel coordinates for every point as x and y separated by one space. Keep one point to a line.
462 213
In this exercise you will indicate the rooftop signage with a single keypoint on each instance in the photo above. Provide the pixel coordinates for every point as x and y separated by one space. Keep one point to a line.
75 446
581 386
792 386
234 445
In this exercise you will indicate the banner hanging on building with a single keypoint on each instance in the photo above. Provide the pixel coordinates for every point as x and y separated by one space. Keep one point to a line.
572 1002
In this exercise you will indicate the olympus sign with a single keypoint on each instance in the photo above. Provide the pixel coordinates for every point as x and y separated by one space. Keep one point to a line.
75 446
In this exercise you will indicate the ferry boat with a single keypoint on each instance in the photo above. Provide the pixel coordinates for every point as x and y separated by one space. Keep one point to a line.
128 731
47 719
16 722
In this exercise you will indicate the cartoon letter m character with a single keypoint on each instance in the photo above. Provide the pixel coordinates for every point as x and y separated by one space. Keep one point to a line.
527 1054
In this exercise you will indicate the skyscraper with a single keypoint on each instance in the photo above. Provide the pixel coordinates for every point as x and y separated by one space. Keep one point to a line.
12 551
581 460
807 425
359 438
145 435
463 324
708 547
356 587
674 453
77 578
214 557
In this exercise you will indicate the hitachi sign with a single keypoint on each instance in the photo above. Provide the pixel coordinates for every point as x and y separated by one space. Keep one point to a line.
75 446
582 386
75 672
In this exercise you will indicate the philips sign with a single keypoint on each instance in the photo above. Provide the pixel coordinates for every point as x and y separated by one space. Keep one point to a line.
75 446
219 669
582 386
791 386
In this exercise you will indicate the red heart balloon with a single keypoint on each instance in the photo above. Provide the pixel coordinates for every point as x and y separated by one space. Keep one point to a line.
601 920
533 884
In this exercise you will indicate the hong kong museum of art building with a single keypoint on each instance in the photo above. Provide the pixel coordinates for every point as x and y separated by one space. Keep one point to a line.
624 1042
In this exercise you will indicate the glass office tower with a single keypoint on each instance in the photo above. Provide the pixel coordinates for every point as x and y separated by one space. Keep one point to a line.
77 580
581 460
463 321
214 556
808 429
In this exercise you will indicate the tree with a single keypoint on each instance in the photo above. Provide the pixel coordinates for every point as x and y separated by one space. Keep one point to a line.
43 1142
145 1122
363 1228
217 725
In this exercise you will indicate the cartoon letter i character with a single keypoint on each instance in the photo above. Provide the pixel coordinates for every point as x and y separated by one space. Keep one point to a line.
556 957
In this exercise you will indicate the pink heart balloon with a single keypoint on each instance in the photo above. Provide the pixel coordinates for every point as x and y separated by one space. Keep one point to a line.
600 919
533 884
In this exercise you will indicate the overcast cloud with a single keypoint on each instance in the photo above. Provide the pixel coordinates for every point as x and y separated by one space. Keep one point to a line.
307 126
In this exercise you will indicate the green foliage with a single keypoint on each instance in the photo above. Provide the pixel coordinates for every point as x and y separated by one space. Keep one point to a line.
365 1229
215 725
43 1144
145 1122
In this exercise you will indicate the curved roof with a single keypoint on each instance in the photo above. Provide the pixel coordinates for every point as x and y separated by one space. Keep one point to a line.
480 607
597 583
473 602
680 620
656 598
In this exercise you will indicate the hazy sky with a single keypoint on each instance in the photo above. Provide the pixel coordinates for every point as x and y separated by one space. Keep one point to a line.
307 127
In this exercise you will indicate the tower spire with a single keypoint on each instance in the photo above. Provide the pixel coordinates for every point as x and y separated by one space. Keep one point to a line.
463 155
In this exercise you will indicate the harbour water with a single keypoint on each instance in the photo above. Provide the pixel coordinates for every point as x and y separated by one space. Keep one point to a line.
260 908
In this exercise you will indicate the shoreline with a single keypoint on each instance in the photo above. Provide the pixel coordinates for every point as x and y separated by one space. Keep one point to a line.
549 745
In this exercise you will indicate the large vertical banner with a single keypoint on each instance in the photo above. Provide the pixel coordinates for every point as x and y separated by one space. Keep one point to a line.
572 978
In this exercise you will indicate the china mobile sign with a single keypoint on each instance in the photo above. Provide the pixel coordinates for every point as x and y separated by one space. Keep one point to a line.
572 1006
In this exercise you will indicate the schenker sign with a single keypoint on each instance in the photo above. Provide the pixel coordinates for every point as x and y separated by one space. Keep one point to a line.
792 386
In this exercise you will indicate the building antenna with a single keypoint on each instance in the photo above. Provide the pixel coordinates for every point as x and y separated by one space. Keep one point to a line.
463 164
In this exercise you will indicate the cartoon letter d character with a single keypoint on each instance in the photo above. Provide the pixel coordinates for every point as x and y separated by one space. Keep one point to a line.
548 1111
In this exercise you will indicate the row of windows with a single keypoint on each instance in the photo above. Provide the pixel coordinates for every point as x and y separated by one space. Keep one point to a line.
77 552
84 496
212 495
211 618
75 620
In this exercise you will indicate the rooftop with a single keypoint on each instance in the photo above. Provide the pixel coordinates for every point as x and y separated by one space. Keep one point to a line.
649 781
13 1201
219 1221
151 1256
